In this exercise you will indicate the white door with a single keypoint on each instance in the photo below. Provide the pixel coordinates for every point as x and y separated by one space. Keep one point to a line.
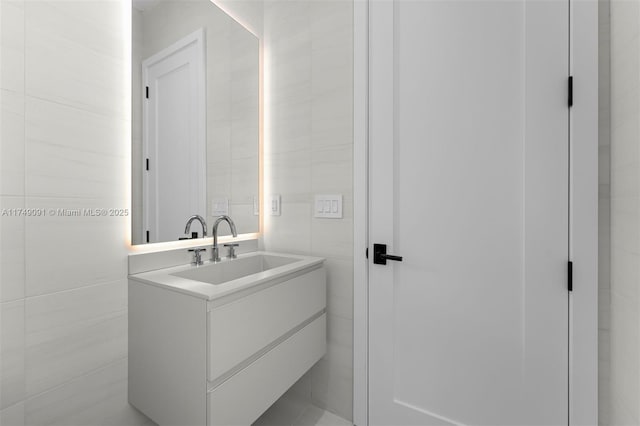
469 184
174 134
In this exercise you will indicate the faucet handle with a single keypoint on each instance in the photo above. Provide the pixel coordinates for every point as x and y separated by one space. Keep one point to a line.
231 254
197 257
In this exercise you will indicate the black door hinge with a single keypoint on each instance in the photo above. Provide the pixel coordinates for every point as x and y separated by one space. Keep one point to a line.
147 92
147 236
570 275
366 253
570 92
147 164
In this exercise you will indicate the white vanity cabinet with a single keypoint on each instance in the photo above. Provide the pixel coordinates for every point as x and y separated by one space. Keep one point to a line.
205 354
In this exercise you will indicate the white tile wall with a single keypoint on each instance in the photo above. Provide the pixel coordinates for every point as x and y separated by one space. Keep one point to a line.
308 150
624 323
12 349
98 398
63 305
604 217
76 161
12 142
69 334
13 416
12 45
74 54
12 260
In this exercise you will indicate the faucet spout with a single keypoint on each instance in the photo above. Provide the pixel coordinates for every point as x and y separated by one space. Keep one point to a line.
215 256
199 219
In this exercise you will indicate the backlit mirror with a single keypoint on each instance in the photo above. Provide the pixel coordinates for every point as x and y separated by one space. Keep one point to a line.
195 119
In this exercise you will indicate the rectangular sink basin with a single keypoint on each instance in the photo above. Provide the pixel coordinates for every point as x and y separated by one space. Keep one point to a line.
228 270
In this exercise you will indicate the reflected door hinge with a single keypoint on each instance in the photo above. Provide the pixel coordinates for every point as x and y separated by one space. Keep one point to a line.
570 276
147 236
570 92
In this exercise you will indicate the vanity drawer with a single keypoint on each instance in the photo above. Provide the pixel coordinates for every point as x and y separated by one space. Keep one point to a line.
242 328
245 396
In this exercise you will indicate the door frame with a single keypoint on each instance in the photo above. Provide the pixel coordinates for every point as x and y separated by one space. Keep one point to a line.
583 184
196 38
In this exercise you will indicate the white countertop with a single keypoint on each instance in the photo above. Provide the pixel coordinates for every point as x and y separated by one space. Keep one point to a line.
165 278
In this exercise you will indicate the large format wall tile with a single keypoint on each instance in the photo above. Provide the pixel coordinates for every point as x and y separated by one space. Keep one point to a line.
291 231
12 253
332 238
12 45
12 347
625 211
99 399
290 121
309 151
332 169
66 252
340 287
74 54
71 333
290 175
11 143
80 160
13 416
332 376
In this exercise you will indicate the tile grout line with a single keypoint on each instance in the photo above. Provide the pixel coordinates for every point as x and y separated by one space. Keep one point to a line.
83 375
68 290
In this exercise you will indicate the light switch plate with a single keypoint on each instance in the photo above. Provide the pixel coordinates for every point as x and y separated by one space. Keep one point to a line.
219 206
274 205
328 206
256 206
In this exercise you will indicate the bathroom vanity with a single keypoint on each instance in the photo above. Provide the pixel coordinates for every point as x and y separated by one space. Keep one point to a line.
217 344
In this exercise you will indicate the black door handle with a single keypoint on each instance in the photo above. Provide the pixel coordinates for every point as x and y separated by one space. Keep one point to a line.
380 255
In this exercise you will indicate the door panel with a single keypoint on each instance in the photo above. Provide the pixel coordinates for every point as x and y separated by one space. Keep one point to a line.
174 138
469 184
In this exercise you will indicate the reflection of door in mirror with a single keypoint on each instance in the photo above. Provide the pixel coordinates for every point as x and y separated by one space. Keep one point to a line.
231 119
174 138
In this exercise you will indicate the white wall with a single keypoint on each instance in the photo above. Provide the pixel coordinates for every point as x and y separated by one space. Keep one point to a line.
63 282
604 221
625 212
308 150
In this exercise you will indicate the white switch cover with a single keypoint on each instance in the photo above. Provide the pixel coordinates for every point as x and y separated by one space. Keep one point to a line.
219 206
274 205
256 206
328 206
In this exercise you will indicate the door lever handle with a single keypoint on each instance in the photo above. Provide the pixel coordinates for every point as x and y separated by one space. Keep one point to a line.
380 255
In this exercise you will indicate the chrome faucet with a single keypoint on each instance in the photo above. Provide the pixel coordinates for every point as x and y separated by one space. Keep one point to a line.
199 219
215 255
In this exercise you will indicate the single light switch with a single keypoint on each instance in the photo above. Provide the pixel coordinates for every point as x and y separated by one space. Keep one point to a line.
328 206
219 206
274 208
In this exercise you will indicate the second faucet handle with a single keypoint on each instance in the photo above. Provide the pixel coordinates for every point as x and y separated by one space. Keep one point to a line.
197 257
231 254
